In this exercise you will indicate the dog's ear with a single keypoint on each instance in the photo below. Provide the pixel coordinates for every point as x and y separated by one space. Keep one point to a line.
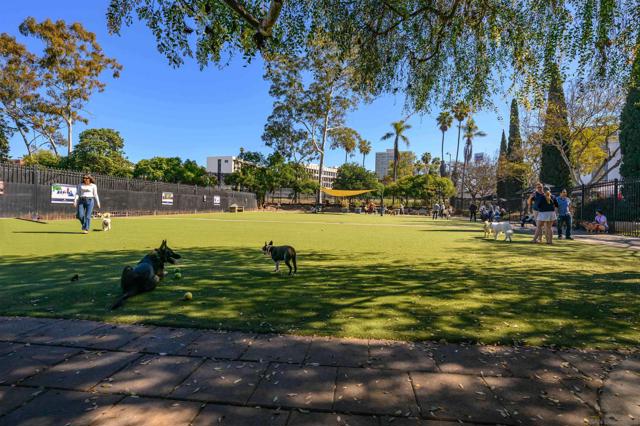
270 243
164 244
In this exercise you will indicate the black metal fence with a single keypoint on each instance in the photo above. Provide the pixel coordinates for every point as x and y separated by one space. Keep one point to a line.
619 200
28 191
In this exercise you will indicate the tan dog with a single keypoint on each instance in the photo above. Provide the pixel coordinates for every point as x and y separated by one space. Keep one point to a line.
106 221
487 229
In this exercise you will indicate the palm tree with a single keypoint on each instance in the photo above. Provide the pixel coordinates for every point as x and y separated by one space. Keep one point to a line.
470 131
399 127
364 146
444 121
460 111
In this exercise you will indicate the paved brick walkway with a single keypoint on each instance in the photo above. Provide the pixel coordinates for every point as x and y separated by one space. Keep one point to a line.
63 372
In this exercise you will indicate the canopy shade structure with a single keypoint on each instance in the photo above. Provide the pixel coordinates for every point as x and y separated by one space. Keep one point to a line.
344 192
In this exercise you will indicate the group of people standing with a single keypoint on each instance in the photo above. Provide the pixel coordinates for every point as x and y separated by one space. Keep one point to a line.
544 206
490 212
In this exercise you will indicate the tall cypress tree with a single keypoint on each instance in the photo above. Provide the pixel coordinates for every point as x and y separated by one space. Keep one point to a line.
4 144
501 176
630 126
553 169
515 156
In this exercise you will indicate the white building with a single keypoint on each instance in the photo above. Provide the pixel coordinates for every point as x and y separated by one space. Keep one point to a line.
613 147
328 174
479 156
227 164
383 159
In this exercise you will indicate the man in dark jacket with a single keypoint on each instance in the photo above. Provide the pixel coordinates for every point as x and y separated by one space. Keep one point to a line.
472 212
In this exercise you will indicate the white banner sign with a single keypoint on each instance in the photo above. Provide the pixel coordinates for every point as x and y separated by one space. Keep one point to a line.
62 193
216 200
167 198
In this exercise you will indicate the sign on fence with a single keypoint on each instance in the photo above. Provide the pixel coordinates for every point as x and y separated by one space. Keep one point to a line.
167 198
62 193
216 200
1 187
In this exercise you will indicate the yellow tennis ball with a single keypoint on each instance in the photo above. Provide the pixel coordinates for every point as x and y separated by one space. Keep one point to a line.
188 296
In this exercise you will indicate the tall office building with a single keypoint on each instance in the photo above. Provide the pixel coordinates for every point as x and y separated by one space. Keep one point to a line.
383 160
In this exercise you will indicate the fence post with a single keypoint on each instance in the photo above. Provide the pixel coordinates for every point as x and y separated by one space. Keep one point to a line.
36 178
582 202
612 226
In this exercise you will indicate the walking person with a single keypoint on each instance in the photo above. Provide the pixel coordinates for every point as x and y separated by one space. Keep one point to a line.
436 211
564 215
546 216
532 202
472 212
85 199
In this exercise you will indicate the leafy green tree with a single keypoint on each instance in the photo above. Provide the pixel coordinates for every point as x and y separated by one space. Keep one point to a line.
22 107
345 138
554 170
306 110
4 143
72 62
428 49
501 169
630 126
100 151
444 123
364 146
514 182
353 176
406 166
173 170
44 158
399 128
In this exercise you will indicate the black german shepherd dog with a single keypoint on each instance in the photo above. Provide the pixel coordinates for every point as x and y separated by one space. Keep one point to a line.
279 254
147 273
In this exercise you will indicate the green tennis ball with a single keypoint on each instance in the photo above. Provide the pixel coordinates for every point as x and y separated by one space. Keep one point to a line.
187 296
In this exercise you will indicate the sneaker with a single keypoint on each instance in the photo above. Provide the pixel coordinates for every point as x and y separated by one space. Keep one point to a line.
85 232
569 238
559 237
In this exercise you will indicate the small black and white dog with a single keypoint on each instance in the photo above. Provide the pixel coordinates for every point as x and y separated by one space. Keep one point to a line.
286 254
147 273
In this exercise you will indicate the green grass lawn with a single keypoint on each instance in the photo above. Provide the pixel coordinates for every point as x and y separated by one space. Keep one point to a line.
386 277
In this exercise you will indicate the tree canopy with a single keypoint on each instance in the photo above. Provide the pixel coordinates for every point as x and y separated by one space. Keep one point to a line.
630 127
431 50
353 176
100 151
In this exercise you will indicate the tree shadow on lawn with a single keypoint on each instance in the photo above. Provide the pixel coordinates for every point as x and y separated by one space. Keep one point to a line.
479 295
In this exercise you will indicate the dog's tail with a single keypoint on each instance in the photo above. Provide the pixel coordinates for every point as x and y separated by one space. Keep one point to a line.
120 300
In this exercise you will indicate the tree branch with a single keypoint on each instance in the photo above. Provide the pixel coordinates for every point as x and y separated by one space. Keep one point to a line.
241 11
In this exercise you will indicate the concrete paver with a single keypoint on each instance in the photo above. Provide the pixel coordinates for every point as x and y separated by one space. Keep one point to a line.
82 371
144 411
229 415
221 381
151 375
57 407
621 394
343 352
58 372
292 349
400 356
13 397
162 340
303 387
70 332
457 397
214 344
28 360
365 390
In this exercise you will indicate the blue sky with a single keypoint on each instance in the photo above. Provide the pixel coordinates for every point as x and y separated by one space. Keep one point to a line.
186 112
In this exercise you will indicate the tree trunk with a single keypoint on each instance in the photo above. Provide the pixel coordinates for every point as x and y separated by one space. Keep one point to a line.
346 154
69 137
442 166
455 166
363 155
396 154
321 165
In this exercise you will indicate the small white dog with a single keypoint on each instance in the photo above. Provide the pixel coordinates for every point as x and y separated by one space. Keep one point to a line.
501 228
106 221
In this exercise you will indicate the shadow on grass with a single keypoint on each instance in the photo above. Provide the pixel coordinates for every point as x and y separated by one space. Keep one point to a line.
482 300
46 232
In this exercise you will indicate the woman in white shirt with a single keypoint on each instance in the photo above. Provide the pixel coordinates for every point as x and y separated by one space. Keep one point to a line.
86 198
